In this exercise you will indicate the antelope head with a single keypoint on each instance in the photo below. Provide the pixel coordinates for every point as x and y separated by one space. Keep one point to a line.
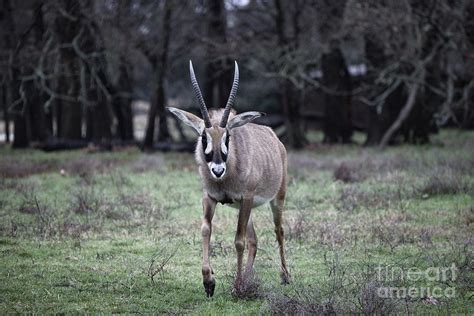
215 138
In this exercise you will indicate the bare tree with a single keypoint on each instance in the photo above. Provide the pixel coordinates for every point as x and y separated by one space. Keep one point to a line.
160 62
218 75
337 102
70 69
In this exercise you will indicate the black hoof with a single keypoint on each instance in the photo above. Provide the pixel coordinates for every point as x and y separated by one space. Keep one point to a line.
209 287
285 279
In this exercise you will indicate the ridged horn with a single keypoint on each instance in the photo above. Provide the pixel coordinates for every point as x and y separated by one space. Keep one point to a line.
197 91
230 101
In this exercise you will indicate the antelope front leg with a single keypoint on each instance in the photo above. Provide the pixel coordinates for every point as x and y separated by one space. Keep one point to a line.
209 205
244 214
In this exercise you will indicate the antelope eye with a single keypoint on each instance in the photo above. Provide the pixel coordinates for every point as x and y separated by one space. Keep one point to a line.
204 141
227 138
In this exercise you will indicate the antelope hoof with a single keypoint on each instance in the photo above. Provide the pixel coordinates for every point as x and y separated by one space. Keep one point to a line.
285 278
209 286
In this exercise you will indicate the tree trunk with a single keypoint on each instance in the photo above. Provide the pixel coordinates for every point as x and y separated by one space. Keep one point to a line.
294 133
20 131
380 116
35 98
403 113
337 101
70 108
96 86
98 115
98 119
6 117
20 124
373 127
122 102
20 139
123 105
218 67
35 110
158 102
289 101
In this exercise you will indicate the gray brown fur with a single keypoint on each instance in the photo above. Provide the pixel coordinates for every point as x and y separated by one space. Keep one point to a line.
256 165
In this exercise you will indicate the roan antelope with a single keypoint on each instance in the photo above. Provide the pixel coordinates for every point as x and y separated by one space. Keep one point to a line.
242 164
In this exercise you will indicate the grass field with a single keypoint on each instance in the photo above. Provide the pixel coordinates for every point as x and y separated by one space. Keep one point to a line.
120 232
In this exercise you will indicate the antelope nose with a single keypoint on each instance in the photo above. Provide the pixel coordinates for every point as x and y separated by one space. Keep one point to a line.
218 171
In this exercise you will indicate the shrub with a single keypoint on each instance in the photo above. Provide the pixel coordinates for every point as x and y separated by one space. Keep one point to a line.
346 173
444 182
247 288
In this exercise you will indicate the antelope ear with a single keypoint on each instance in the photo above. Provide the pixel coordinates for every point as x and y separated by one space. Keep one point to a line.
189 119
243 119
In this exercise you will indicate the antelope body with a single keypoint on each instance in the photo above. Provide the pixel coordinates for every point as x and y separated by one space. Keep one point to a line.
241 164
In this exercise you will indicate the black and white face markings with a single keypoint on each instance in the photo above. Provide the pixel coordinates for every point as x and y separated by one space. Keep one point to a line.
207 146
216 158
225 145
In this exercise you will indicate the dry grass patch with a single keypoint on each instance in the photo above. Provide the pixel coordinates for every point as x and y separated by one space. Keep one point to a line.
348 174
19 168
445 181
247 288
24 166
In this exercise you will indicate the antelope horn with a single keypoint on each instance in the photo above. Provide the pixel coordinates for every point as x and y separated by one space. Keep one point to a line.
197 91
230 101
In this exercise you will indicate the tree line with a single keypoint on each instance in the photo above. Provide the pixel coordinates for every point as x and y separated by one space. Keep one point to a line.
71 69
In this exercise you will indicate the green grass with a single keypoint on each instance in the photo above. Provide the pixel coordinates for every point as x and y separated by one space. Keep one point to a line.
120 232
